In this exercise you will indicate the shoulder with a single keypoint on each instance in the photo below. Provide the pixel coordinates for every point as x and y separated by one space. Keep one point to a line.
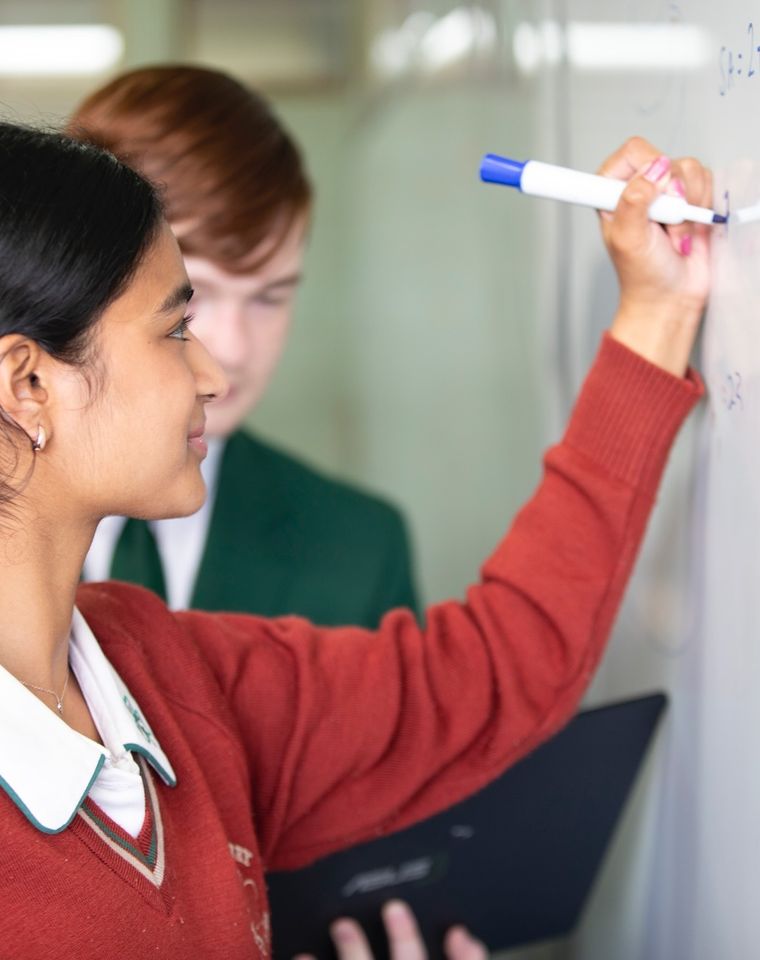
124 616
132 623
122 609
191 657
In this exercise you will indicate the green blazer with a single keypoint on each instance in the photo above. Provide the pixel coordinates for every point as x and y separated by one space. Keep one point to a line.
285 539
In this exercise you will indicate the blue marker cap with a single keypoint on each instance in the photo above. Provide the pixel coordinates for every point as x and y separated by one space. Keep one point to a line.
496 169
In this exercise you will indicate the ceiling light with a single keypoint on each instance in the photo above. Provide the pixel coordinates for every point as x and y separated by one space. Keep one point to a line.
59 50
612 46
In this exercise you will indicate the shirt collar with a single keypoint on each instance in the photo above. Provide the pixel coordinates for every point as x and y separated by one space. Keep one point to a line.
47 768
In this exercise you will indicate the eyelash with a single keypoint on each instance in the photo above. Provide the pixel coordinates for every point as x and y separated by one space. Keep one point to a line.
182 328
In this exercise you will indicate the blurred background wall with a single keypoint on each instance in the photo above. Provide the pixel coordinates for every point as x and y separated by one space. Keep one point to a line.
414 364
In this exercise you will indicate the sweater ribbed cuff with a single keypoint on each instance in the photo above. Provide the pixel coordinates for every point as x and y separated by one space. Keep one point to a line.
628 413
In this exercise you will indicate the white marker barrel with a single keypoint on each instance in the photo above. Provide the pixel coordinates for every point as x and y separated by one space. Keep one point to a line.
603 193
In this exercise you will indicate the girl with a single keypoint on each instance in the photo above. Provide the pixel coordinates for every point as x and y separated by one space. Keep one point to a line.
153 764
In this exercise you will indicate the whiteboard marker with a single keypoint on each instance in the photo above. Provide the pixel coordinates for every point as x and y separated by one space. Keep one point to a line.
588 189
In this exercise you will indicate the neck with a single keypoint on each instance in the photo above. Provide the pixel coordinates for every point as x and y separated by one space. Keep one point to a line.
40 564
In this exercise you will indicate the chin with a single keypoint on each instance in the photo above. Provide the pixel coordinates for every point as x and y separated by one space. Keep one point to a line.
188 503
193 504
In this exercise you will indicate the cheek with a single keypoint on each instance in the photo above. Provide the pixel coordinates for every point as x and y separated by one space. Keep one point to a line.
86 410
117 424
151 400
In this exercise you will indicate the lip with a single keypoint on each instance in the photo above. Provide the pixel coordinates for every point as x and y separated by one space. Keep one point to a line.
196 441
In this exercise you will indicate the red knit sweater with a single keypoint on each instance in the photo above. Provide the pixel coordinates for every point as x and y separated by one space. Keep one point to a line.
290 741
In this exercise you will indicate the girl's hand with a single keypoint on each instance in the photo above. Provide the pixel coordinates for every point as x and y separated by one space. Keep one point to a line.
663 271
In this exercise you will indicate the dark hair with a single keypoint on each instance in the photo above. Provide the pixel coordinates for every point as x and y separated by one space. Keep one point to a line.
230 172
74 225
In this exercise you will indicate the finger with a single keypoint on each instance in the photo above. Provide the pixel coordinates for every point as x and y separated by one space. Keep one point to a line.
693 182
459 944
697 180
404 938
633 156
702 233
681 234
699 190
630 227
304 956
350 940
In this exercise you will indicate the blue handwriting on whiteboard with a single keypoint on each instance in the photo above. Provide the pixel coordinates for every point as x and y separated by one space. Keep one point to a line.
741 63
731 391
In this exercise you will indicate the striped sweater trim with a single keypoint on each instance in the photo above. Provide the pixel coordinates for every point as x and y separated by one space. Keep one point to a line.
150 865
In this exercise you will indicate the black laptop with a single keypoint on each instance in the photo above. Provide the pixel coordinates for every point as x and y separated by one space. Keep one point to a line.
514 863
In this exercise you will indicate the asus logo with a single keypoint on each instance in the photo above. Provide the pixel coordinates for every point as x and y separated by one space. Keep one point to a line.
410 872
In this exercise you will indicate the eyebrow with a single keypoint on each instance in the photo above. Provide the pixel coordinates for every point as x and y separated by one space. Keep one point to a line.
176 298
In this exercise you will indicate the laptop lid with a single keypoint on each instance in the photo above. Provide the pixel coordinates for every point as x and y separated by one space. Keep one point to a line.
514 863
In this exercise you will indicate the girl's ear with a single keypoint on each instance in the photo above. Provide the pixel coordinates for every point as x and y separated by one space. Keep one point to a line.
23 395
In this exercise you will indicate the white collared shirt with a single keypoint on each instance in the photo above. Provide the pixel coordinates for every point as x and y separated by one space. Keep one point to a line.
180 541
47 768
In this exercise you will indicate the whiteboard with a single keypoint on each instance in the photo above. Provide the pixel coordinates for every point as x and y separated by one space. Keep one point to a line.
684 880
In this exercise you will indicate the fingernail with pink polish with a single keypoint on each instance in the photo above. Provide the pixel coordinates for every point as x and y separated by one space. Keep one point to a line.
677 185
657 169
686 245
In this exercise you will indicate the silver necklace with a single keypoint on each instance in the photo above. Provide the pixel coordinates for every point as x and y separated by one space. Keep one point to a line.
58 700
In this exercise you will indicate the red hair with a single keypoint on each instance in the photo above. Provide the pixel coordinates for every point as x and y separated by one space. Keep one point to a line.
227 170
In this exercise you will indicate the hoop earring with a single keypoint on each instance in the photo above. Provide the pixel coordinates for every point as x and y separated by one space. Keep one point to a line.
39 443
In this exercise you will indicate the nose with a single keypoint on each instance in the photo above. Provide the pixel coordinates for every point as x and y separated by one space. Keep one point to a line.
211 382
